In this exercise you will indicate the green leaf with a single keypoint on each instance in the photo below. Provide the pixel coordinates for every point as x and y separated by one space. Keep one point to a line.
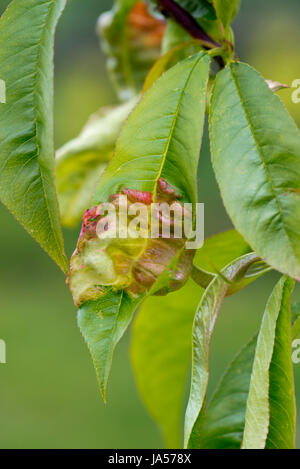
155 140
162 136
104 321
256 156
224 421
198 8
204 322
102 324
223 424
80 163
131 38
226 10
160 353
270 413
26 124
174 36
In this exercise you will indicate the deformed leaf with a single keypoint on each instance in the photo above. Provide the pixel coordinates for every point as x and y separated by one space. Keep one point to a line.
131 38
160 352
155 160
204 322
80 162
159 135
270 414
256 157
103 322
26 124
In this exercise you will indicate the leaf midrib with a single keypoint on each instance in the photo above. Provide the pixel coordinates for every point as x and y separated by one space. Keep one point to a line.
36 80
261 155
172 129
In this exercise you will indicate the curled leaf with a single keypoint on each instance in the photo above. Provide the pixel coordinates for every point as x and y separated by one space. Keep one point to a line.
127 260
156 159
135 262
204 323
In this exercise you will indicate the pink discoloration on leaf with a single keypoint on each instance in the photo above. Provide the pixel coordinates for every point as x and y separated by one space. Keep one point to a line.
138 196
131 264
165 188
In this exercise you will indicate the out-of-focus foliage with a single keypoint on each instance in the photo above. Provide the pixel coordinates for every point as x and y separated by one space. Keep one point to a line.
174 36
169 59
220 250
161 352
131 38
161 340
80 163
226 10
198 8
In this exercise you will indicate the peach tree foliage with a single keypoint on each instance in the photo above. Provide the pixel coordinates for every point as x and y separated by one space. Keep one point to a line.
172 63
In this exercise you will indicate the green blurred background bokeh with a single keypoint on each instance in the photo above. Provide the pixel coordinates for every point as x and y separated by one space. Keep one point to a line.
48 391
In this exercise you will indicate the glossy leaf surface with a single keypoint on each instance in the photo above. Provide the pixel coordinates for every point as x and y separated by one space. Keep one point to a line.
27 185
256 156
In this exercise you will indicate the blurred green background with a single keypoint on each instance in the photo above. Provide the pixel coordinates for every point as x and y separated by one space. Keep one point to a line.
48 391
